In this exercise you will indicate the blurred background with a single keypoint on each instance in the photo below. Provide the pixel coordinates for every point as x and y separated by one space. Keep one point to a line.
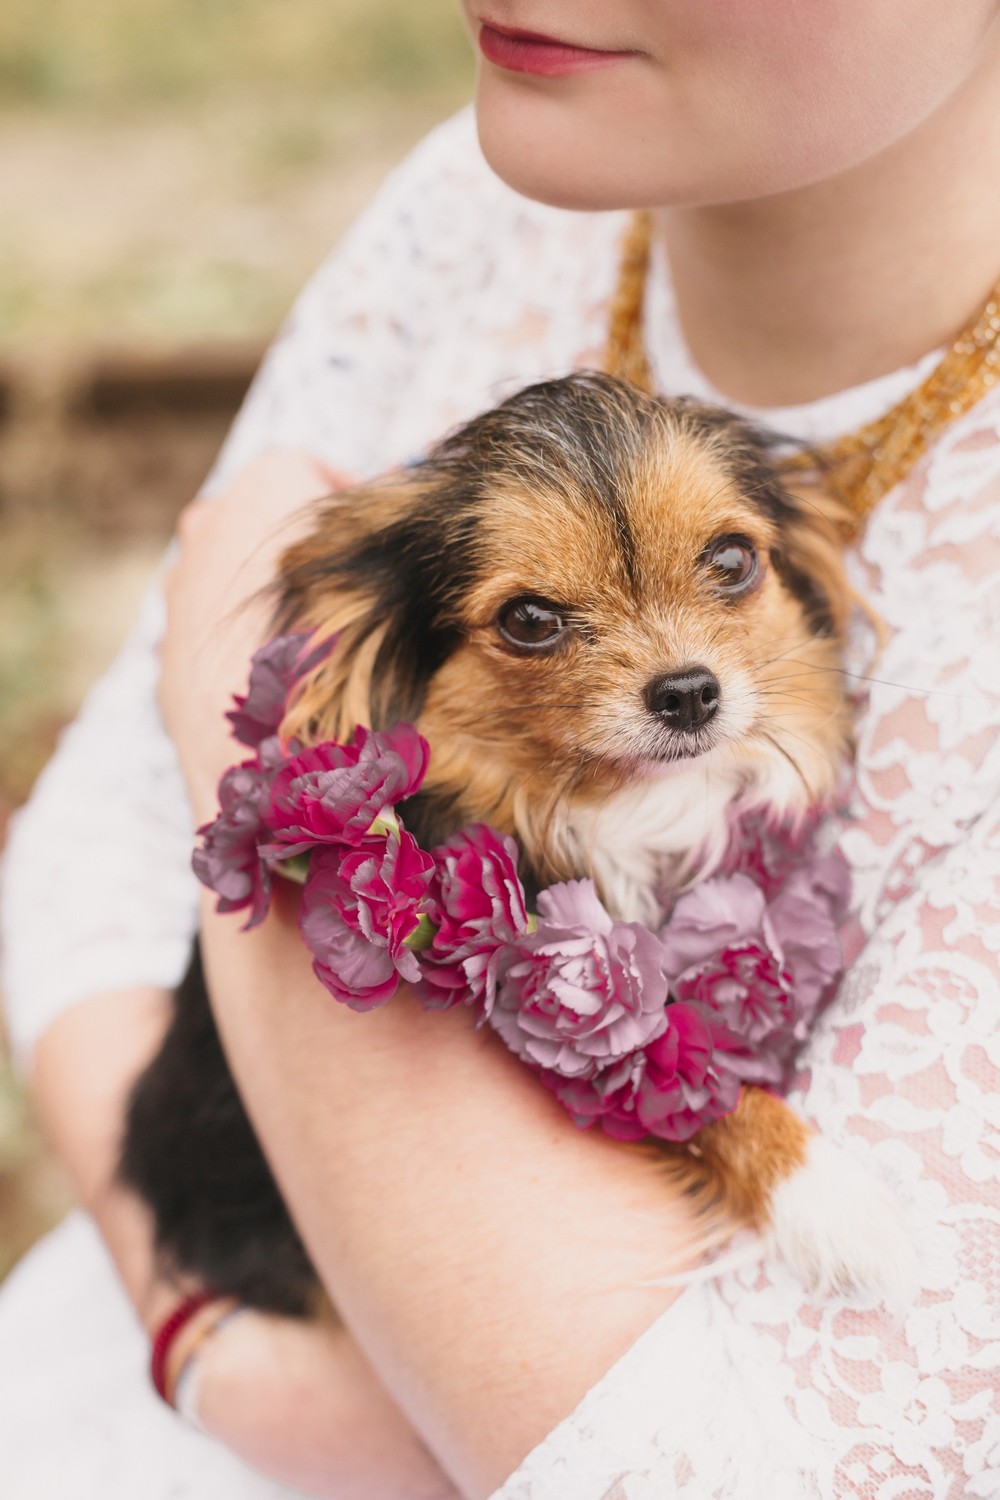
170 173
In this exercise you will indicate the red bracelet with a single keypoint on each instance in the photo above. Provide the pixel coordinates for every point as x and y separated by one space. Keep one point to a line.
167 1333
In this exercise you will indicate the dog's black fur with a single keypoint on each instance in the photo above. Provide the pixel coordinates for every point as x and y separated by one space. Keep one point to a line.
189 1150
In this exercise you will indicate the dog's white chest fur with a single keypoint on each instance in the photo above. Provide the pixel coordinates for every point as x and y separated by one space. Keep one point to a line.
656 836
672 827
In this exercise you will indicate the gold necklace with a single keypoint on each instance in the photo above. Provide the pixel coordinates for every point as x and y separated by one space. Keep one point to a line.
862 466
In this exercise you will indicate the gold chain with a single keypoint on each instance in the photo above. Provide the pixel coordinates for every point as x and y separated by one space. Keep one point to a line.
861 467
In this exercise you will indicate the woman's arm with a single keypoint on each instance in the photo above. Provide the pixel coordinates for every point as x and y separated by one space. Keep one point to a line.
84 1066
491 1260
347 1430
98 901
295 1400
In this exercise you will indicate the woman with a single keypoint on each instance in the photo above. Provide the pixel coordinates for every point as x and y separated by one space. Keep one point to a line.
825 222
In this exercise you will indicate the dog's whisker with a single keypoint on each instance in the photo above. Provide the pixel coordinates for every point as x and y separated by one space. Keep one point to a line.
787 755
906 687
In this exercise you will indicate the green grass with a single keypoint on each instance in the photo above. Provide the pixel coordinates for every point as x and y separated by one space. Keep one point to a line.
103 56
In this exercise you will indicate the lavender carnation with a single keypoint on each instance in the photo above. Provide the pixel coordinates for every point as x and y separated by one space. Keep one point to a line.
582 990
805 916
274 671
229 860
759 970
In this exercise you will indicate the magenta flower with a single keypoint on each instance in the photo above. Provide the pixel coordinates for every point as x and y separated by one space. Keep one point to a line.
332 794
476 900
682 1086
669 1089
358 909
581 991
274 671
230 860
759 970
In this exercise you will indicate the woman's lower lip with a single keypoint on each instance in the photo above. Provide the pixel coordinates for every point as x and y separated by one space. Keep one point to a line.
520 53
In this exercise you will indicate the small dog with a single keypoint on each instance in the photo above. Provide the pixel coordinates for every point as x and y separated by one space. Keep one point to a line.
618 631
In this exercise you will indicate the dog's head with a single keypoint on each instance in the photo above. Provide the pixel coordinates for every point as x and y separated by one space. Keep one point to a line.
584 589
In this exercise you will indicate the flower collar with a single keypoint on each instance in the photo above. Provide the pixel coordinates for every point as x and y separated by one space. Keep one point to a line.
643 1032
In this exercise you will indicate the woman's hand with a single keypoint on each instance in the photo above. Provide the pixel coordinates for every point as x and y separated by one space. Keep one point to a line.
297 1401
217 608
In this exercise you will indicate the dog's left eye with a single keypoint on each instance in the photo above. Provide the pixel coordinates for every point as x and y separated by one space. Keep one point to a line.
733 561
531 624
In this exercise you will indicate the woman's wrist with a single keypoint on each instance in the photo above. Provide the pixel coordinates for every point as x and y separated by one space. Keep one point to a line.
180 1337
297 1400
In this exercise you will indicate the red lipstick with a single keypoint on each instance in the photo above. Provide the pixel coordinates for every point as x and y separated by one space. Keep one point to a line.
545 56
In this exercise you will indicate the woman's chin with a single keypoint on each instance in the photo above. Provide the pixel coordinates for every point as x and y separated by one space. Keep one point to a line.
544 144
598 158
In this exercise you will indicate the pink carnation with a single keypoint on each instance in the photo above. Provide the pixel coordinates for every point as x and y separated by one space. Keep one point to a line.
358 909
682 1086
759 970
582 991
806 915
331 794
477 902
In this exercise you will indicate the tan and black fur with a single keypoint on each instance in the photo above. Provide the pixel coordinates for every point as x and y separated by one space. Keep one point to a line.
613 510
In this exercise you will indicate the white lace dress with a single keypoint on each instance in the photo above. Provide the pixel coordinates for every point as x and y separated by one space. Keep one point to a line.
451 292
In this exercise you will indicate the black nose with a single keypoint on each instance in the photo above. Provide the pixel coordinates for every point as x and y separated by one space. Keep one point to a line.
684 700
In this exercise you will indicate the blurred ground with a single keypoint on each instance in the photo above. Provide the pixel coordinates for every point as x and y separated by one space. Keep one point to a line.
170 173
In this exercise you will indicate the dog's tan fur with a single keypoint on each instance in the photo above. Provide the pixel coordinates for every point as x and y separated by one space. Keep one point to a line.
535 744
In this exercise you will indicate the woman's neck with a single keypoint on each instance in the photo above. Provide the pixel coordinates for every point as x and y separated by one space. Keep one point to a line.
787 299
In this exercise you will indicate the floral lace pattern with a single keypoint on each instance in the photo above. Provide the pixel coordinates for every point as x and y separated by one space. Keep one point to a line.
450 293
793 1397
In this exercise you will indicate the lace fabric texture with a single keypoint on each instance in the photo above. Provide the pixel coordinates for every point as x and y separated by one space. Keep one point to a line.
450 293
747 1388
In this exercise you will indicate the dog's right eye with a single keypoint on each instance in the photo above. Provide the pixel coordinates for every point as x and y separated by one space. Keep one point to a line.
531 624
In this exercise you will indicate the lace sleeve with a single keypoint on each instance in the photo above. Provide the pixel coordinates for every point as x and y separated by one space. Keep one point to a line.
97 890
747 1389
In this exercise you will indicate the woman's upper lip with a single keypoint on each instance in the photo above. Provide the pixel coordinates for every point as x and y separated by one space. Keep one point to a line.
521 35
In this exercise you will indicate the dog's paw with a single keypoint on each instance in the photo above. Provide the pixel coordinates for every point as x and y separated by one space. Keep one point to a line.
841 1229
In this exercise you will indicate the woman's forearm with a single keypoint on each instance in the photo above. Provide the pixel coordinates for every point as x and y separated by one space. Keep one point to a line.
296 1401
85 1065
492 1260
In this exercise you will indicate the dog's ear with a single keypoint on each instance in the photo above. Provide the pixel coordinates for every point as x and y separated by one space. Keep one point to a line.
374 572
